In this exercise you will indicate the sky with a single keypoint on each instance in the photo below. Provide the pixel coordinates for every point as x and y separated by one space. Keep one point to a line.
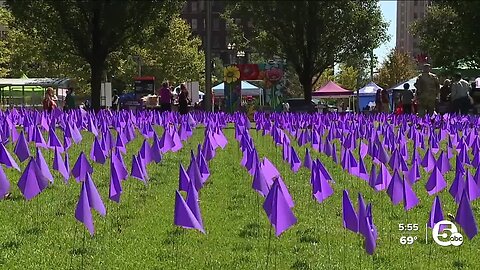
389 12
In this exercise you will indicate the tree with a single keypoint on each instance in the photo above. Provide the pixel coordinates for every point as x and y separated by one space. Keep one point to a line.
94 29
449 32
313 35
347 77
175 57
396 68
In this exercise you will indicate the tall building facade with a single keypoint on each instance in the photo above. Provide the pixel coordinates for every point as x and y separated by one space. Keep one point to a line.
194 14
407 13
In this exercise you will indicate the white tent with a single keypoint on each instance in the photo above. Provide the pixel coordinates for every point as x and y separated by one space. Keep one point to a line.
248 89
399 87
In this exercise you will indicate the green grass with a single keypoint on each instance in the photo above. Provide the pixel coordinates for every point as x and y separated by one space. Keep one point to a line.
139 232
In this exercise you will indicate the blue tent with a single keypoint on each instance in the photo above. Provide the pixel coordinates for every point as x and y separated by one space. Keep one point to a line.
367 94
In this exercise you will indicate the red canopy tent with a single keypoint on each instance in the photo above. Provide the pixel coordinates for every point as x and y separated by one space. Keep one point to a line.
332 90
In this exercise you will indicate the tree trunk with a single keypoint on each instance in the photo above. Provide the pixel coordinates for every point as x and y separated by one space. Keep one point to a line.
96 68
307 88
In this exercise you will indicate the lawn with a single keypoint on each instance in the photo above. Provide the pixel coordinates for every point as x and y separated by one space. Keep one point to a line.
139 231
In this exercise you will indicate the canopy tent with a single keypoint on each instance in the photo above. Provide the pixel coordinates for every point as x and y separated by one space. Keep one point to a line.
248 89
367 95
30 91
332 90
399 87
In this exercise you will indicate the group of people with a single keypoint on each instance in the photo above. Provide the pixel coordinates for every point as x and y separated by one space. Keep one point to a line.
50 100
166 98
428 95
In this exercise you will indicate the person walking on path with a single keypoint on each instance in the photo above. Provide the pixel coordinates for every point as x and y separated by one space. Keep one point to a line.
460 96
69 100
49 102
407 99
183 99
165 99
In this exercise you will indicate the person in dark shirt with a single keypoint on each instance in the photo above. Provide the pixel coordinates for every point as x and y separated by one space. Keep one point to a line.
183 100
69 100
407 99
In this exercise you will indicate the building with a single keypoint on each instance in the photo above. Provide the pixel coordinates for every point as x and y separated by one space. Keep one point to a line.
194 14
407 13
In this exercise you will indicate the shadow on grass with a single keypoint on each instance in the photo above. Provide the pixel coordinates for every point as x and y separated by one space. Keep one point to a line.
10 244
78 251
300 265
307 236
33 230
251 230
457 264
174 236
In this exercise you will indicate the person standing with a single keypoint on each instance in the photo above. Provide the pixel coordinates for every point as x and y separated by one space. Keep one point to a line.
407 99
428 88
165 99
69 100
183 99
49 102
378 100
385 101
460 95
115 101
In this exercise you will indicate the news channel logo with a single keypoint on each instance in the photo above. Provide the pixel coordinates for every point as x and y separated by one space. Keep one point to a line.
445 233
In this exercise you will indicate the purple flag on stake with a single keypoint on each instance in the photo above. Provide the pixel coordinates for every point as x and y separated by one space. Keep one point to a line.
350 218
21 148
120 142
81 168
183 216
207 149
53 140
32 182
307 162
269 171
457 187
137 170
166 141
145 152
4 184
96 153
285 192
83 212
436 182
115 186
436 214
277 209
183 179
294 160
370 241
43 166
383 178
155 152
363 226
471 187
119 165
202 165
193 203
443 163
194 173
94 199
66 143
395 189
428 161
465 217
321 189
324 171
410 199
373 177
6 158
413 174
59 165
259 182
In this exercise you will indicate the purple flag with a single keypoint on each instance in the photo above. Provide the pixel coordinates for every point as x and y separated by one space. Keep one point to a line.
410 199
471 187
183 216
59 165
350 218
269 171
443 163
94 199
307 162
137 169
115 185
436 182
43 166
6 159
145 152
120 167
395 189
21 148
96 153
321 189
32 182
457 187
428 161
81 168
465 217
82 212
436 214
183 179
259 182
294 160
370 241
120 142
277 209
193 203
4 184
53 140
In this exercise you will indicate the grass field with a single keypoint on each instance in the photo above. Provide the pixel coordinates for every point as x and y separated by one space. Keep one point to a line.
139 232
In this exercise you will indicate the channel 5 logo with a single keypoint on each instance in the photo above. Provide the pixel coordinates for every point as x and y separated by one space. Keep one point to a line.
441 237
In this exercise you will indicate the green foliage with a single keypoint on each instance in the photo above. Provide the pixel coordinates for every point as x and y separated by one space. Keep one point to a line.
347 77
397 67
93 30
449 33
312 35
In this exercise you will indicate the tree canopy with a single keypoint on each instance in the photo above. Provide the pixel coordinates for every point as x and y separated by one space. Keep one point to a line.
449 32
312 35
396 68
94 29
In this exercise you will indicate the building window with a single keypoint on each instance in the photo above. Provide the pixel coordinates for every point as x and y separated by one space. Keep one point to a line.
216 24
194 25
194 6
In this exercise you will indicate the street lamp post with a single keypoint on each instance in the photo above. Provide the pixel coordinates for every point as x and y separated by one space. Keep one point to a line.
208 57
231 48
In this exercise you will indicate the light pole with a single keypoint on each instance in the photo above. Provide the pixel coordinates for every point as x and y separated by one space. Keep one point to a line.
241 54
208 57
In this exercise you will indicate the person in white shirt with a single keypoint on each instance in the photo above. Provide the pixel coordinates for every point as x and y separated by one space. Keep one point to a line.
460 96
